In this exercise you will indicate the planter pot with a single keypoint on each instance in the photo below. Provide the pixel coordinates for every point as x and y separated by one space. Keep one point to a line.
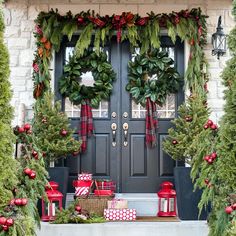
60 175
187 199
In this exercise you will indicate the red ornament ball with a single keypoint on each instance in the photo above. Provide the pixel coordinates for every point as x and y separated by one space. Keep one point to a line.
214 127
206 126
5 228
214 155
18 201
228 210
206 158
78 208
9 222
32 175
234 206
210 122
206 181
21 130
27 171
63 132
174 142
27 127
3 220
34 153
24 201
210 160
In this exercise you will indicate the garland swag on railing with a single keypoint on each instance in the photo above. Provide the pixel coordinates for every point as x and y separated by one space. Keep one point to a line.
51 27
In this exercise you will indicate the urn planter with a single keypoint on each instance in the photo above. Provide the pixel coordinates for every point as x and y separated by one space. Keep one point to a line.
187 198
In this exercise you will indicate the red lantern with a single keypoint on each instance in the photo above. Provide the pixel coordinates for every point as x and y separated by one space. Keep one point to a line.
54 202
167 200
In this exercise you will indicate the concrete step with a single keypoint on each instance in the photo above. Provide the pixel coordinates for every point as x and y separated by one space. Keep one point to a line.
146 204
183 228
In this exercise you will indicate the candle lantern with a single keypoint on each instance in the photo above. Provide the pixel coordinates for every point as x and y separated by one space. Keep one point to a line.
167 200
54 202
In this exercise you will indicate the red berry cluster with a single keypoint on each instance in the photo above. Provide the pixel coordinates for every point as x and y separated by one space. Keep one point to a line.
19 201
210 158
230 209
25 128
210 125
30 173
6 223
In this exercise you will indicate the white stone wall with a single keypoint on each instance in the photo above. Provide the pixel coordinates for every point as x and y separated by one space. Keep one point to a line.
19 19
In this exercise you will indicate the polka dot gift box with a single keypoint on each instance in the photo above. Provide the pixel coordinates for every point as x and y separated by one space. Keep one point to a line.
85 176
120 214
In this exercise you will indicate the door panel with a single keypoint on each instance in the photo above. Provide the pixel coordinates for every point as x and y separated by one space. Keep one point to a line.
134 167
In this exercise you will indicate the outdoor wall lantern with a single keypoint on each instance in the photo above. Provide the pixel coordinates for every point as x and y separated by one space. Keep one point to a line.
219 41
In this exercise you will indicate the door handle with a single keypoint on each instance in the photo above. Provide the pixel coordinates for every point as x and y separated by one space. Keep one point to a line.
113 128
125 128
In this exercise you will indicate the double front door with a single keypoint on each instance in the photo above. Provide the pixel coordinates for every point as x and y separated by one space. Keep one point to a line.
117 150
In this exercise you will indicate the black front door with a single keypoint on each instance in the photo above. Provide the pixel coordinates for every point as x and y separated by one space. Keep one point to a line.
118 150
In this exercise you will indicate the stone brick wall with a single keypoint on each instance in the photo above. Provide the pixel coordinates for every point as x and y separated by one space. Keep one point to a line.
19 19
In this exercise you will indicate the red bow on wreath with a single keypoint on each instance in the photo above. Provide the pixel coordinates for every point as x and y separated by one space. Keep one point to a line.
119 21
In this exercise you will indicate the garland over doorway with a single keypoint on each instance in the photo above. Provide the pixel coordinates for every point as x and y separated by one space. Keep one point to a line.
142 32
189 25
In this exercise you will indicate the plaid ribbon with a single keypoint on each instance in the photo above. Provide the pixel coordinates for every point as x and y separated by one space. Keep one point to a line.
151 123
86 123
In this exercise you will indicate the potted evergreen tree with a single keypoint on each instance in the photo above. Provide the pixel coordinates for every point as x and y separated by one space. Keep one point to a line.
181 146
55 138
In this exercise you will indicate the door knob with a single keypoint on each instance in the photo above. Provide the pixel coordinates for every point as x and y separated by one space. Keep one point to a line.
113 128
125 128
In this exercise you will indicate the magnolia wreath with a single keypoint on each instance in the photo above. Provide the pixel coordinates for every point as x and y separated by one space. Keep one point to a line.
152 75
103 75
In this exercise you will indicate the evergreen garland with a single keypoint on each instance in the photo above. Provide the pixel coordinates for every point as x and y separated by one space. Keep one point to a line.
140 31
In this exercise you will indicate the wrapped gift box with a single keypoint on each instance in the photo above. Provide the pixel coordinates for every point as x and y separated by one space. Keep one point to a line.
106 185
82 183
82 191
103 192
85 176
117 204
120 214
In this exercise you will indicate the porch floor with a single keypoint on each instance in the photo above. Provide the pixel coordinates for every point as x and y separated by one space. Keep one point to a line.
182 228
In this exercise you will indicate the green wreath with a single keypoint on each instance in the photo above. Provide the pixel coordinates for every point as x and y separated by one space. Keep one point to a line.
153 76
70 84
